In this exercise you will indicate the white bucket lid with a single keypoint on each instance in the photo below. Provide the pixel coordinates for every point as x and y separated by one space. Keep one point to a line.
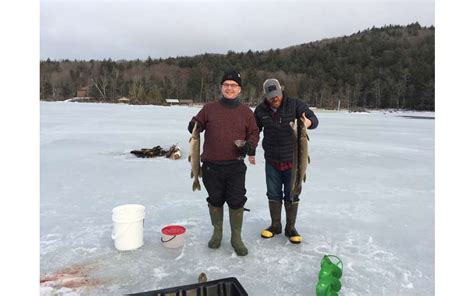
128 213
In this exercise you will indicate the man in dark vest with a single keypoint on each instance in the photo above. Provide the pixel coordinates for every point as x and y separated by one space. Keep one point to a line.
223 169
274 115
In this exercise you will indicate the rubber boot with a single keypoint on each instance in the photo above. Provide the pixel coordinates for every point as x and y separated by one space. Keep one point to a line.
217 215
290 230
275 214
236 219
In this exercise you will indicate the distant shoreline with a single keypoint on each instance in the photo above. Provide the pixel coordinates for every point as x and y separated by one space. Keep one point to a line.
316 109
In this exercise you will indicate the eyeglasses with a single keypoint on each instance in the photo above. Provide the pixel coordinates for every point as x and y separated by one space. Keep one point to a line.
230 85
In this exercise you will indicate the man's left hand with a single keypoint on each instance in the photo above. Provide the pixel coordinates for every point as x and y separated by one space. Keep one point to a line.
307 122
252 159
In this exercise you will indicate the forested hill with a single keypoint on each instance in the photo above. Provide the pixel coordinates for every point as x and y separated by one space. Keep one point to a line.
388 67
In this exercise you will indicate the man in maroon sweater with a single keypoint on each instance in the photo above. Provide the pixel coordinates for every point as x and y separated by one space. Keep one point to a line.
223 169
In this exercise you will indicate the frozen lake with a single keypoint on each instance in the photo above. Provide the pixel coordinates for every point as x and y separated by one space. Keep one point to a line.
369 199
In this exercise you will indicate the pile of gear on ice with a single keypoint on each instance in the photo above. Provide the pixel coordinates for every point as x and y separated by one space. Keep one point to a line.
174 152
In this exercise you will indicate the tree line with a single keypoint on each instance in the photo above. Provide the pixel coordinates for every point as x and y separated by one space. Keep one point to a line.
387 67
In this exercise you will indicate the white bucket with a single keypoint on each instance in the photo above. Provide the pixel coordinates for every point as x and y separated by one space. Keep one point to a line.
172 236
128 226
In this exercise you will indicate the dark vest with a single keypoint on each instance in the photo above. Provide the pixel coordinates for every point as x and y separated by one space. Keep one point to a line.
277 133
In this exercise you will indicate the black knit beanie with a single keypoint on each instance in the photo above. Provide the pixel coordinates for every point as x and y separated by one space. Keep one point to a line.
232 75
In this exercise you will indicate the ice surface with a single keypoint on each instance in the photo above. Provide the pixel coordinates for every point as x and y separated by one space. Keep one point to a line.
369 199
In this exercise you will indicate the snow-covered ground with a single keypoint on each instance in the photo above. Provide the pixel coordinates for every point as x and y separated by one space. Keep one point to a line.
369 199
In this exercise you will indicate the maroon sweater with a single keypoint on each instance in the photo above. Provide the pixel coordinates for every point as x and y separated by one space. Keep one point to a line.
223 125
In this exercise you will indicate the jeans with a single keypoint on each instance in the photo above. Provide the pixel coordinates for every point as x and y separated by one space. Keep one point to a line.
275 181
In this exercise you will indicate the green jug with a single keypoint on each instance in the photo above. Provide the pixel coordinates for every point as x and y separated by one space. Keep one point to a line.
329 275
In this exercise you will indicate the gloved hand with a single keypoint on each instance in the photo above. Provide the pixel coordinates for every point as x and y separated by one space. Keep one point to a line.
191 126
244 149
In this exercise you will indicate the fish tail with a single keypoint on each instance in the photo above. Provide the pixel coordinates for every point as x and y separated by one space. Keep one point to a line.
196 185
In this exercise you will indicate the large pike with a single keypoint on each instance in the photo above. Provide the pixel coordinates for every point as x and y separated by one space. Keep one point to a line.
195 156
300 156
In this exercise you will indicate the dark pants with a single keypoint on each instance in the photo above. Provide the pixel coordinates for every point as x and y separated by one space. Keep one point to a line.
225 183
275 181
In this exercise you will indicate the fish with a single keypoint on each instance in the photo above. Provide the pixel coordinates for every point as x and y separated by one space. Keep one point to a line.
294 168
301 157
195 156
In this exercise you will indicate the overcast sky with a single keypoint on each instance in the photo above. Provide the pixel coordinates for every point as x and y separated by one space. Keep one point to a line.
138 29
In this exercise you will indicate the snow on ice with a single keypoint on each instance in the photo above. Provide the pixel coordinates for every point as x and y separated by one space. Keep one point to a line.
368 198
